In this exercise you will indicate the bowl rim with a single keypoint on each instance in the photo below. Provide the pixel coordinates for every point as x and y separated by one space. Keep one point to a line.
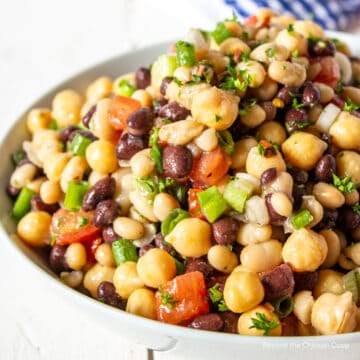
171 331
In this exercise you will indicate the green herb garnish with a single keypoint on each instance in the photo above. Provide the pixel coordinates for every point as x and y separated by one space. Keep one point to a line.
270 52
220 33
290 28
156 150
261 322
350 105
345 185
168 300
356 208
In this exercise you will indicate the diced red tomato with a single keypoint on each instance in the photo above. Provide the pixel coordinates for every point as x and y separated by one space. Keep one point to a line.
194 204
210 167
253 20
73 226
330 71
91 245
182 298
120 109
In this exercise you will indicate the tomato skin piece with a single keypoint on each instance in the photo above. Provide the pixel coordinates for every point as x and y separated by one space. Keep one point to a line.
65 226
120 109
90 246
194 204
330 71
209 168
189 298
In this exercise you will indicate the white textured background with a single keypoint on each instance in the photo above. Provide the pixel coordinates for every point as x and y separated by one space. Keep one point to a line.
41 43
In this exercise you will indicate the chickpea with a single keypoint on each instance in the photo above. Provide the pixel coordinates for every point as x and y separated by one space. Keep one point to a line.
54 165
207 140
143 205
215 108
334 248
262 256
217 59
316 210
348 164
243 291
104 255
72 279
232 45
251 233
142 164
222 258
34 228
303 303
355 234
22 175
75 256
156 267
38 119
267 90
163 204
180 132
45 144
101 157
272 131
74 170
334 314
95 176
308 28
353 253
256 163
241 151
303 150
66 107
128 228
254 116
95 275
278 52
35 184
292 41
345 263
245 321
126 279
183 74
254 72
191 237
345 131
142 302
304 250
330 281
100 88
328 195
281 203
100 121
287 73
50 192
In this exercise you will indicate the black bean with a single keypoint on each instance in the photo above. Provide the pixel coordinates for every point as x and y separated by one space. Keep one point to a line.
268 176
355 113
174 111
109 235
328 220
65 133
305 280
145 248
299 176
12 190
325 167
199 264
141 121
287 93
105 213
106 292
129 145
322 48
211 322
311 94
238 130
270 110
142 78
87 117
348 219
164 84
296 119
102 190
57 259
158 104
88 134
230 320
298 192
278 282
177 161
275 218
161 244
38 205
225 230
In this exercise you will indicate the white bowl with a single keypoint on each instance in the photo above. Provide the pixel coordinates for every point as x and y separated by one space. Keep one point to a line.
187 343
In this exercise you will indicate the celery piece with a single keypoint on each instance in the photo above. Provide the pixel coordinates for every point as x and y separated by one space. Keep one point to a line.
301 219
79 144
284 306
212 203
22 204
220 33
172 220
351 282
17 156
165 65
236 194
124 250
185 53
124 88
74 194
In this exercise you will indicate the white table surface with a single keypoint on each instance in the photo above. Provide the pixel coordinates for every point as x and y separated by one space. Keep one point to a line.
41 43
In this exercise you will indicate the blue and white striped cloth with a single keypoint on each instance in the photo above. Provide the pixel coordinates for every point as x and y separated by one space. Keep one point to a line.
330 14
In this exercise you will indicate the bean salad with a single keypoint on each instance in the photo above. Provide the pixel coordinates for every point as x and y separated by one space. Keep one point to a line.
216 189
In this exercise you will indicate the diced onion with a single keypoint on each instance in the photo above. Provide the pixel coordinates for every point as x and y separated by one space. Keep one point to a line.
195 37
150 231
327 117
251 180
256 211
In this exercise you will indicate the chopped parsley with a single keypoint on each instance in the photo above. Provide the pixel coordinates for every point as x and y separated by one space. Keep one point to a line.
168 300
236 80
345 185
245 56
350 105
261 322
82 221
295 53
290 28
216 297
220 33
356 208
261 149
217 118
296 105
270 52
156 150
